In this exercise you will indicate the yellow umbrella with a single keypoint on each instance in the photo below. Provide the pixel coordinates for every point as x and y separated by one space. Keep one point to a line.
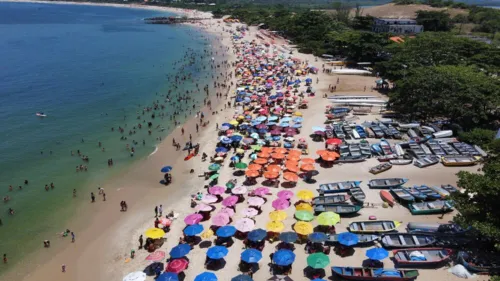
154 233
328 218
277 215
275 226
297 113
241 117
233 122
303 228
207 234
240 151
305 194
304 207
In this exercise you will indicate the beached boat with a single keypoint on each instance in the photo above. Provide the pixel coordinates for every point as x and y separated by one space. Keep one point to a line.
407 240
387 183
431 194
363 239
347 129
458 160
335 187
387 197
387 158
434 207
448 149
376 149
355 135
415 193
465 148
402 195
435 228
355 150
341 209
481 152
401 161
412 134
380 168
364 146
386 147
450 188
435 148
443 134
373 226
349 159
475 264
399 150
394 132
441 191
358 194
378 132
361 131
330 199
426 149
426 161
421 256
344 150
369 274
338 132
416 150
408 125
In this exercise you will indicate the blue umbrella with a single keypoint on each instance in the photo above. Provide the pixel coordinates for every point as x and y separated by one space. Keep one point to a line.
168 276
236 138
273 97
288 237
206 276
257 235
317 279
224 128
227 125
217 252
284 257
226 140
255 122
297 81
242 277
261 118
221 149
271 123
284 125
194 229
314 129
317 237
243 127
286 119
309 80
166 169
297 125
254 135
298 119
276 138
272 118
377 253
235 158
347 238
226 231
180 251
251 256
262 131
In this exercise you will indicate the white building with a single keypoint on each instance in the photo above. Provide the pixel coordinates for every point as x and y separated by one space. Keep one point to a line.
397 26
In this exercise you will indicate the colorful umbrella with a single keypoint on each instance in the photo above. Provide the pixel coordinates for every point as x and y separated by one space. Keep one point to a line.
254 167
321 151
377 253
318 260
291 177
318 237
275 226
214 167
241 165
168 276
220 219
217 252
251 256
180 251
278 156
277 215
347 238
308 161
203 208
135 276
206 276
304 215
209 198
261 191
156 256
166 169
216 190
177 265
293 158
256 201
257 235
214 176
288 237
193 219
304 207
154 233
239 190
303 228
228 211
244 224
294 152
226 231
249 212
230 201
281 204
252 173
285 194
334 141
329 156
194 229
280 150
263 154
273 168
165 221
305 194
328 218
271 175
260 161
283 257
307 167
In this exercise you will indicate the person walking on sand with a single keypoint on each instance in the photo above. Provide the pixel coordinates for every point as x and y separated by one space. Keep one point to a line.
141 241
63 268
182 131
72 237
160 210
92 197
156 211
103 196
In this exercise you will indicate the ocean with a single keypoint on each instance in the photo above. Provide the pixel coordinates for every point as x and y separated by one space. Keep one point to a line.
89 69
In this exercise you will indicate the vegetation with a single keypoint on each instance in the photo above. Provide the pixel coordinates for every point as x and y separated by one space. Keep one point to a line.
434 20
481 137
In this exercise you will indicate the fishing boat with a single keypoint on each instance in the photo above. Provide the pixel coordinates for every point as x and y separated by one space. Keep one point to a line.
426 161
387 197
481 152
387 158
363 239
416 150
378 132
355 134
369 132
441 191
431 194
376 149
434 207
401 161
478 264
399 150
387 183
341 209
344 150
448 149
407 240
436 228
373 226
330 199
361 132
386 147
465 148
408 125
347 130
450 188
458 160
355 150
364 146
402 195
336 187
369 274
443 134
426 149
349 159
380 168
414 192
338 132
358 194
421 256
394 132
41 114
435 148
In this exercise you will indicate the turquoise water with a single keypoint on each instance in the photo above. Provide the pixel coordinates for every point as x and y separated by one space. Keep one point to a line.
89 69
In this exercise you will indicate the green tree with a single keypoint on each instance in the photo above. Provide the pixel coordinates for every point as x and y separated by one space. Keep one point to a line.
363 23
356 45
434 20
481 137
460 19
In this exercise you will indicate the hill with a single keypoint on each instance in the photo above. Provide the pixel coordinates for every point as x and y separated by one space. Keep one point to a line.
405 11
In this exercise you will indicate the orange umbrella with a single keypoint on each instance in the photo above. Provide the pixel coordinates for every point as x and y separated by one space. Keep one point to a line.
321 151
273 169
278 156
266 149
292 168
271 175
280 150
291 163
254 167
308 161
329 156
263 155
290 177
294 152
260 161
252 173
293 158
307 167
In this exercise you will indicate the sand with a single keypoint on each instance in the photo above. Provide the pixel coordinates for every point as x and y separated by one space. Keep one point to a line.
105 235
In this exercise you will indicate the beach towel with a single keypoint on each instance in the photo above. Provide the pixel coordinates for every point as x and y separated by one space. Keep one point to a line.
417 256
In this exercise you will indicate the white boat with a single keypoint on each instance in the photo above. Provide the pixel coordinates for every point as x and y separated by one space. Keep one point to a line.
430 129
481 151
426 149
401 161
355 134
399 150
40 114
443 134
408 125
372 101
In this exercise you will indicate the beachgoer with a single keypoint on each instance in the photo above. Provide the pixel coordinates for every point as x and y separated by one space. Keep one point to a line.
4 258
160 210
74 192
72 237
63 267
156 211
92 197
141 241
104 197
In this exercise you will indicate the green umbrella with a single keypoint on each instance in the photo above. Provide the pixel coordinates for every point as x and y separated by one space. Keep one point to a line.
304 215
214 176
214 167
241 165
229 185
318 260
256 147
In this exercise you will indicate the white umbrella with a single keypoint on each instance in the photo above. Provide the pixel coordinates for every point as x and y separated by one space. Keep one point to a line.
135 276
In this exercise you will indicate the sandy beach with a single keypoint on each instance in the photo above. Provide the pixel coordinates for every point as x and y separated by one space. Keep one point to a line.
105 236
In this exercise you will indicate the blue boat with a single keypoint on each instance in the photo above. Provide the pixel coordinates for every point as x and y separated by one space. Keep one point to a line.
376 149
431 194
335 187
361 132
414 192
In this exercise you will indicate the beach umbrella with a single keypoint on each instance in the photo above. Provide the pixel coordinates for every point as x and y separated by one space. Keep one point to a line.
177 265
220 219
261 191
319 133
283 257
298 119
221 149
240 165
252 173
308 161
281 204
256 201
312 173
249 212
297 125
254 167
218 159
304 207
236 138
320 129
209 198
214 167
226 231
154 267
192 230
165 221
334 141
273 168
260 161
318 237
272 118
154 233
239 190
307 167
257 235
226 140
233 122
213 177
291 177
217 252
377 253
235 158
248 141
275 226
303 228
288 237
206 276
294 158
166 169
277 215
292 168
348 238
193 219
328 218
275 132
180 251
304 215
251 256
244 224
228 211
278 156
156 256
216 190
305 194
263 154
240 151
271 175
242 277
298 113
256 147
168 276
135 276
318 260
321 152
329 156
230 201
285 194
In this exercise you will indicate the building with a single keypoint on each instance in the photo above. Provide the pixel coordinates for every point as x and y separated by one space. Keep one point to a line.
397 26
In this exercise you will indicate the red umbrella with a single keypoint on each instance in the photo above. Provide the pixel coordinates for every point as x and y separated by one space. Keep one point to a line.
334 141
156 256
177 265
